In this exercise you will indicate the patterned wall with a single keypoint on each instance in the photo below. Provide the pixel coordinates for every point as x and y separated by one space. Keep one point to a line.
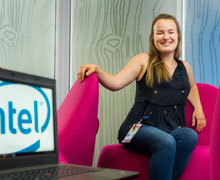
27 36
109 33
202 42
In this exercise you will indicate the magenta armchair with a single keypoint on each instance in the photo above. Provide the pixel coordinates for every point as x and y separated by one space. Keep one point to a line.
78 122
215 142
115 156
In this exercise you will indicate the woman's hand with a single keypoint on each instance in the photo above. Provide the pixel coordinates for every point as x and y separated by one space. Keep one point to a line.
198 117
199 120
86 70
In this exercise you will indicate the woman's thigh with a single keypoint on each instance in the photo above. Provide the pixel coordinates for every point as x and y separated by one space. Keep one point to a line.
150 139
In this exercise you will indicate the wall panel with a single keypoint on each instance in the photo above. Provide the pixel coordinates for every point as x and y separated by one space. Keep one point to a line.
27 36
202 41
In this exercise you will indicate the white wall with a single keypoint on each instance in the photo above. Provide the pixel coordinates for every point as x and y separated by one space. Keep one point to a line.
27 36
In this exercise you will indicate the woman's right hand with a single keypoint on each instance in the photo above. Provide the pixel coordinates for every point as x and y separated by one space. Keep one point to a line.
86 70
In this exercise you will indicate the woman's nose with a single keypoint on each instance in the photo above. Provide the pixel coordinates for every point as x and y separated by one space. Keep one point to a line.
165 36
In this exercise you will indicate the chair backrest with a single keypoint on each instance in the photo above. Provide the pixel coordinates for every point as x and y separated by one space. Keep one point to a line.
78 122
208 94
215 142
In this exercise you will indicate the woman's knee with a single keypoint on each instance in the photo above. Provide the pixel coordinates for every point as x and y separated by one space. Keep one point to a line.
188 138
167 143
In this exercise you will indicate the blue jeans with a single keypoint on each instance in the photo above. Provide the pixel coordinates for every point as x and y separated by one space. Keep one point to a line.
170 152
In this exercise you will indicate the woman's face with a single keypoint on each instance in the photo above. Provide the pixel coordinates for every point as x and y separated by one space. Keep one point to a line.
165 36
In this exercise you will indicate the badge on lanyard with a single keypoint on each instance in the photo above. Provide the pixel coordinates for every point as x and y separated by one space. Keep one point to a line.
134 129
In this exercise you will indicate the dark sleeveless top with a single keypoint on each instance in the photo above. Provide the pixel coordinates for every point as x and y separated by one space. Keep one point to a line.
163 104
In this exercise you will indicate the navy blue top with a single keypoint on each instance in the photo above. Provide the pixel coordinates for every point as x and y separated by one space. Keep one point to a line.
163 104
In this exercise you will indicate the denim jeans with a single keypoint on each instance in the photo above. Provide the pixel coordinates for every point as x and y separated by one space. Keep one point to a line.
169 152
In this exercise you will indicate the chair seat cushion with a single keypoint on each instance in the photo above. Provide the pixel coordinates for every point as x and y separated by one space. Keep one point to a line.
198 166
116 157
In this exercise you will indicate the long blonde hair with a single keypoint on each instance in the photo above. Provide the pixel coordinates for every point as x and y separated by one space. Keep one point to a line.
155 61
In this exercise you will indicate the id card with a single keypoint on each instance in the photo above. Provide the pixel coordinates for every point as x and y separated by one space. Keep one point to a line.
134 129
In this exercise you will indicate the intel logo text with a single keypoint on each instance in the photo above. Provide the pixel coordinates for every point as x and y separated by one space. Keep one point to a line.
25 117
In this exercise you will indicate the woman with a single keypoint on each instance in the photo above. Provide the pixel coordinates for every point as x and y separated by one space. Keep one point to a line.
163 83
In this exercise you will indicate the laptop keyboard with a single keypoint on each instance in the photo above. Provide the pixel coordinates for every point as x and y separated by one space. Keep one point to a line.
47 173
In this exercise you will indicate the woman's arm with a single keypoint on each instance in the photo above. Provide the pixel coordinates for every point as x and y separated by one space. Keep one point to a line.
198 118
115 82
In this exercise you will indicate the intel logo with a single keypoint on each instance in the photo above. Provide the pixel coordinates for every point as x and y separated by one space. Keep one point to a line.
25 118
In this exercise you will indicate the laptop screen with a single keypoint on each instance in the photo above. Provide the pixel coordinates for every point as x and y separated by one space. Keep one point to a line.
27 112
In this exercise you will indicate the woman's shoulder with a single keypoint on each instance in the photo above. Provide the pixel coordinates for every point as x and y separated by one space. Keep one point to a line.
144 54
142 58
184 62
186 65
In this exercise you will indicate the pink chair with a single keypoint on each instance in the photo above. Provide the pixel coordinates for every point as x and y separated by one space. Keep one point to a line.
78 122
115 156
215 142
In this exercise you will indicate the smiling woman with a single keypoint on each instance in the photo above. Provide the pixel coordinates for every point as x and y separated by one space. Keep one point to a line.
163 84
165 40
165 36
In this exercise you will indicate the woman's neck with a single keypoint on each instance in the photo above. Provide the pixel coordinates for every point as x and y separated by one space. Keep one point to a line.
168 59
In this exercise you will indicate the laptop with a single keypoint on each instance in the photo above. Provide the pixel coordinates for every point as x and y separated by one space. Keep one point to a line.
28 133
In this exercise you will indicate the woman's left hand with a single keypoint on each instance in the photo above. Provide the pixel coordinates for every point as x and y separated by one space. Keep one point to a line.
199 120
